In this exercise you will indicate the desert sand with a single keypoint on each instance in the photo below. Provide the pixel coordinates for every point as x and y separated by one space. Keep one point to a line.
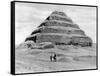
68 58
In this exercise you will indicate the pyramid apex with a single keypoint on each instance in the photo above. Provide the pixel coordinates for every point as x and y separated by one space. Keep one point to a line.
59 13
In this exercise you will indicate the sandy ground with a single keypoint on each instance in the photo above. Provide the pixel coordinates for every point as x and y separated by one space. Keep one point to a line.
68 58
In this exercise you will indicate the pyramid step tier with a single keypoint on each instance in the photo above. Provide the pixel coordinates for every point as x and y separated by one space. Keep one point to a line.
54 30
61 18
60 27
58 23
58 34
59 38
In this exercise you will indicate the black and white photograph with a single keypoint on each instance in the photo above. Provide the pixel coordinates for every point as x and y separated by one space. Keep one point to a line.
54 37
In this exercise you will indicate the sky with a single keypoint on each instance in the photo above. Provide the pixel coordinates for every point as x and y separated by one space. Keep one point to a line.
28 16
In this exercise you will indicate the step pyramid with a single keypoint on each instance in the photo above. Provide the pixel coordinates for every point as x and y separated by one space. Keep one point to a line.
59 29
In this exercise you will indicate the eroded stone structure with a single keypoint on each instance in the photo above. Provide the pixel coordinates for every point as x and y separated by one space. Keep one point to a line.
59 29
